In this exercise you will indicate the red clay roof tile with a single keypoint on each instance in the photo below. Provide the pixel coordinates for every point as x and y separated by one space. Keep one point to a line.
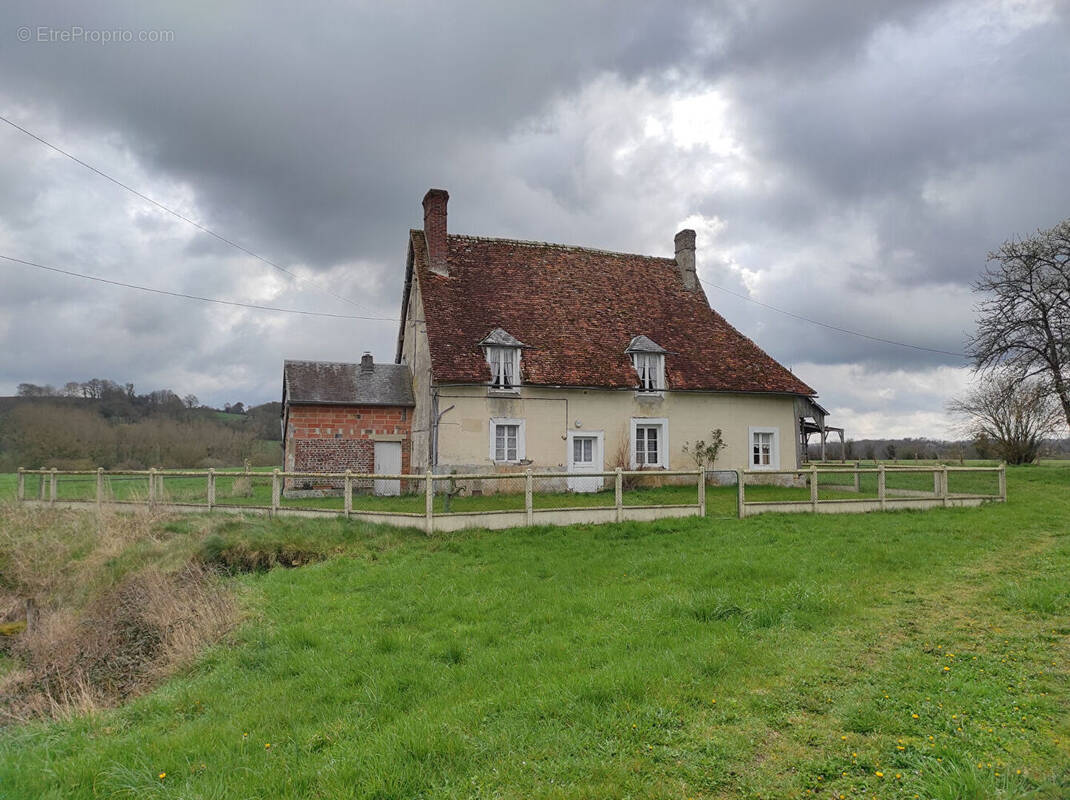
577 309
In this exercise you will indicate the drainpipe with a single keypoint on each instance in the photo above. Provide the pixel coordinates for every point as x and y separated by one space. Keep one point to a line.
436 419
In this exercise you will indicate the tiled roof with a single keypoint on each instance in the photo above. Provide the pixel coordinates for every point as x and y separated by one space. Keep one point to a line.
329 382
578 309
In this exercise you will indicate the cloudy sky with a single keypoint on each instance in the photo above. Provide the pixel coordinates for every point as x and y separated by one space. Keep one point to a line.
847 162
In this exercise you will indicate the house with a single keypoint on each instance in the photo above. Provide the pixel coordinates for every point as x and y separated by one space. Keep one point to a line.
554 357
339 416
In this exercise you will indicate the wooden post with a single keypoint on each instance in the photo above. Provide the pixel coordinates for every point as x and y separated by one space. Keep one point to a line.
813 487
943 485
702 491
881 487
529 498
740 497
41 485
152 487
275 491
858 476
211 488
347 491
618 494
100 487
52 487
936 482
160 496
20 490
1003 481
429 503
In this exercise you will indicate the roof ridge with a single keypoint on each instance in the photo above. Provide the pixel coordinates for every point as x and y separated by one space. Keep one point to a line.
555 245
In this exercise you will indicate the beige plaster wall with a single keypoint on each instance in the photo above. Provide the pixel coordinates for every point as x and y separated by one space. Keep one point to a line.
548 414
417 354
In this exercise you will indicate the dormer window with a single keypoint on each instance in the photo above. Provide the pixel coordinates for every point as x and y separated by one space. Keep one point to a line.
504 366
648 358
503 357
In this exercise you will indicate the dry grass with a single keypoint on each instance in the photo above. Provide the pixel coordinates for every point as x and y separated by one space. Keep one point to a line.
120 605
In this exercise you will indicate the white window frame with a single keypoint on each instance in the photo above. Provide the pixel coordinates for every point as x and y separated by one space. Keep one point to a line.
645 363
520 437
774 447
599 451
509 356
663 441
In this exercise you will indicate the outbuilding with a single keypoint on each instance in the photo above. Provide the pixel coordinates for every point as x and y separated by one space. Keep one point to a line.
340 416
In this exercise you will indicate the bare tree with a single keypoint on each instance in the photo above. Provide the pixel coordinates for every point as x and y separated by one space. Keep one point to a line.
1012 415
1024 322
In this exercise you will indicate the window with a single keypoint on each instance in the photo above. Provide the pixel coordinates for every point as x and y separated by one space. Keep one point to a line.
507 440
650 446
583 450
764 448
651 370
504 366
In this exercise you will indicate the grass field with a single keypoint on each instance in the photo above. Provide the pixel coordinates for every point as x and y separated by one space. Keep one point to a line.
908 654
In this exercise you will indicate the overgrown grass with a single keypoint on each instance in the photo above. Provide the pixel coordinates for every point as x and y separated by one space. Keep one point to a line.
888 655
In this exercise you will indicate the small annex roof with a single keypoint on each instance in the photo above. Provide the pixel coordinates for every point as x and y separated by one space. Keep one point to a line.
644 344
501 338
578 308
339 383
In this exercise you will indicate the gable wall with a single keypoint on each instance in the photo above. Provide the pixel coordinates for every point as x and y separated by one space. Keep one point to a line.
416 353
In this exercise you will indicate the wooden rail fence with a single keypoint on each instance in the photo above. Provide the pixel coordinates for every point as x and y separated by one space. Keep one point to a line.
429 518
882 497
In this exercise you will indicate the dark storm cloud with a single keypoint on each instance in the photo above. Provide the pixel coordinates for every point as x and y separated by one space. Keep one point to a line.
877 151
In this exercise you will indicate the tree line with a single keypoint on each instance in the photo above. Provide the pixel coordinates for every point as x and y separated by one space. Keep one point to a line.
104 423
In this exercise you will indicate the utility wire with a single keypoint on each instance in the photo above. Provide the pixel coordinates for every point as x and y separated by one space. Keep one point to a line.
191 296
174 213
833 327
298 278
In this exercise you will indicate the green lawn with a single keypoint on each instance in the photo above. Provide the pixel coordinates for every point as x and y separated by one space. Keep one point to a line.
881 655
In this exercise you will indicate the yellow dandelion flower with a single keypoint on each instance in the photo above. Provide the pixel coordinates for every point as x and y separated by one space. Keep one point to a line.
914 716
267 745
843 738
163 775
880 774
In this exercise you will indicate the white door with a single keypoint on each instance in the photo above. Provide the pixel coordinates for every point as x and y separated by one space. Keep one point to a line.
388 462
585 455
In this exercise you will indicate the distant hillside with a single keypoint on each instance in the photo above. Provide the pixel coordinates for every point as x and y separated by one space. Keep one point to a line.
102 423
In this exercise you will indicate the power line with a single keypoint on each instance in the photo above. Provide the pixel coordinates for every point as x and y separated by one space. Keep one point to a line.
192 296
833 327
174 213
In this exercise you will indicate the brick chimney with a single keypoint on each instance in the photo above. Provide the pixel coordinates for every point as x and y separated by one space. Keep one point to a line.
435 229
685 258
367 363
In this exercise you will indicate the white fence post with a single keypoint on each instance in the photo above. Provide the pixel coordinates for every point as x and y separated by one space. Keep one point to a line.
348 490
41 485
152 487
881 496
52 487
100 487
943 486
529 500
20 491
211 488
740 497
1003 481
275 491
936 482
702 491
858 476
618 494
429 503
813 487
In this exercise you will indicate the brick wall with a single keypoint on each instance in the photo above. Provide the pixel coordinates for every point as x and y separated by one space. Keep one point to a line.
336 438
